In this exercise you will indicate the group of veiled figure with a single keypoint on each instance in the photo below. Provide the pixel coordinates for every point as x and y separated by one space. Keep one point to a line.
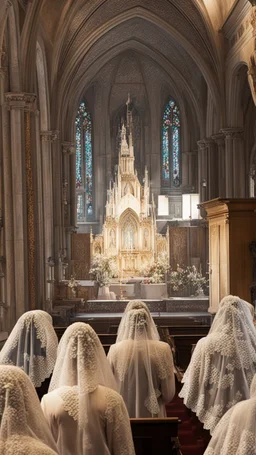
91 397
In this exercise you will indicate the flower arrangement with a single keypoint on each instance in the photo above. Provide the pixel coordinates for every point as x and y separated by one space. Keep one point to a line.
73 284
103 269
156 271
187 277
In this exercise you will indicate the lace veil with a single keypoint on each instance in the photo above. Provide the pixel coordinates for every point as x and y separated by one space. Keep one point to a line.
32 346
139 361
80 368
236 431
136 305
223 363
22 420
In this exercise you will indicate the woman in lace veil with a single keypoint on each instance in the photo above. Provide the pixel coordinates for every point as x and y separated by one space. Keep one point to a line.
236 431
85 413
32 346
143 367
223 364
22 421
136 305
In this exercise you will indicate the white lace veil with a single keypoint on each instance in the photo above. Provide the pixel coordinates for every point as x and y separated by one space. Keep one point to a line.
136 305
223 363
32 346
20 411
82 365
20 445
134 367
236 431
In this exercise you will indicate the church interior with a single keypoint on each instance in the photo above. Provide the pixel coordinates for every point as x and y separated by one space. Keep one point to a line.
128 174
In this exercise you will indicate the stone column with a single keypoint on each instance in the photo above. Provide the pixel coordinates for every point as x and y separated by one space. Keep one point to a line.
7 286
220 141
193 170
30 195
16 103
69 192
185 169
212 169
59 240
47 137
202 170
234 163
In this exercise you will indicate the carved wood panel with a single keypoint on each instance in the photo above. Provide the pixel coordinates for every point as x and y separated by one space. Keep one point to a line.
80 256
189 246
178 246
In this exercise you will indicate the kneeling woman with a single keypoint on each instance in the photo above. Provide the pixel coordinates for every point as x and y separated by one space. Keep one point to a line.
86 415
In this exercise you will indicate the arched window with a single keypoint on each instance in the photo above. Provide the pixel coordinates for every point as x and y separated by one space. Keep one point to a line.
84 164
170 156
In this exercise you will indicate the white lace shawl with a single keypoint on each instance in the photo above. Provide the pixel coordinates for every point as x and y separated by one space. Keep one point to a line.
112 432
235 433
20 412
136 305
20 445
140 364
81 361
222 365
32 346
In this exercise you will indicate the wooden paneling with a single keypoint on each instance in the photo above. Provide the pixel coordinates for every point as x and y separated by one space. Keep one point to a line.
155 436
236 221
80 256
189 246
178 246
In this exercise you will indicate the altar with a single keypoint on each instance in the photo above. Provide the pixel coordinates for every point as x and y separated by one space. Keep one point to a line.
129 232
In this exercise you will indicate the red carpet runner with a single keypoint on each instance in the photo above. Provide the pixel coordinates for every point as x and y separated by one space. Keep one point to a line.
193 438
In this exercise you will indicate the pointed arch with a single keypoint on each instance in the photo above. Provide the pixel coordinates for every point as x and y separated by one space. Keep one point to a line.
170 145
84 163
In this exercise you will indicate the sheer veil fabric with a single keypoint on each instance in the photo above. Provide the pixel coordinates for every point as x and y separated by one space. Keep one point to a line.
235 433
223 363
143 367
22 420
32 346
85 413
136 305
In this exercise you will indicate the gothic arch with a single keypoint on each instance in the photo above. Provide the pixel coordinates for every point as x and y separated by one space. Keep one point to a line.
129 224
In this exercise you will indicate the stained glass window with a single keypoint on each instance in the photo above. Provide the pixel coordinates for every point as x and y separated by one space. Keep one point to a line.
84 163
171 145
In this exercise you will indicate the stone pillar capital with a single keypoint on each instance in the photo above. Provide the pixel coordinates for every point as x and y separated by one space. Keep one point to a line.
201 144
49 136
68 148
24 101
204 143
219 139
232 132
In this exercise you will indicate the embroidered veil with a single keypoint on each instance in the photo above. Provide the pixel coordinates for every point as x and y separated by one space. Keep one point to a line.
32 346
143 367
223 363
136 305
23 425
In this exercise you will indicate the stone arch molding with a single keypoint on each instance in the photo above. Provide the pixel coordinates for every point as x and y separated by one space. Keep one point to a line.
83 47
173 79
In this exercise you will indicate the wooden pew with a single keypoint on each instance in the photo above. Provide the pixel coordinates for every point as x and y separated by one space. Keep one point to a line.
155 436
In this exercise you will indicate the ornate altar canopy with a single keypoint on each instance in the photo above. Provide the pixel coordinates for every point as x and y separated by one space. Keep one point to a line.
129 232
